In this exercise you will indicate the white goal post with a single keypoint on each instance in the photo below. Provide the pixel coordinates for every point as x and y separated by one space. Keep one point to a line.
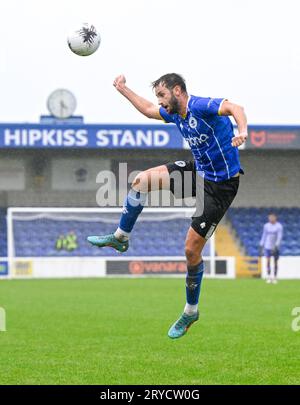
31 235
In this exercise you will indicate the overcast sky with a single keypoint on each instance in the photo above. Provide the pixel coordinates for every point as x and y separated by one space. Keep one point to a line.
245 50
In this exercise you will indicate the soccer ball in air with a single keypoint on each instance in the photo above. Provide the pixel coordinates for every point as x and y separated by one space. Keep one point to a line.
85 40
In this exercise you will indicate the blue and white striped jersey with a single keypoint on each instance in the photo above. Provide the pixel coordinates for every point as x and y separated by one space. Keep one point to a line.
209 136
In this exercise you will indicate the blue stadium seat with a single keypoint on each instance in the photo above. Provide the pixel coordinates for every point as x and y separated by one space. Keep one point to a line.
168 236
248 225
168 240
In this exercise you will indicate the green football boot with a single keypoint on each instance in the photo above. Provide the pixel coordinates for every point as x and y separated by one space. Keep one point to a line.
109 240
181 326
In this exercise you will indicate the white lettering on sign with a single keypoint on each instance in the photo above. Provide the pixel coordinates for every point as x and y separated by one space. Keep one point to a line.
45 137
129 138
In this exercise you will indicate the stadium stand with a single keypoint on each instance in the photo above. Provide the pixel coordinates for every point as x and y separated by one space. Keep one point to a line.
166 236
248 225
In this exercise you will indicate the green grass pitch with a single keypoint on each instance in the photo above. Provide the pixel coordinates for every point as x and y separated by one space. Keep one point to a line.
114 331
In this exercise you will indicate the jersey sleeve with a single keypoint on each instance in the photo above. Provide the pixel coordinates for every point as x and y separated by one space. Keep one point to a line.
165 116
208 106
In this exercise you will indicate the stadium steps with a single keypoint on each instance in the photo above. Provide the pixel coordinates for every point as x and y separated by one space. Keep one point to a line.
227 245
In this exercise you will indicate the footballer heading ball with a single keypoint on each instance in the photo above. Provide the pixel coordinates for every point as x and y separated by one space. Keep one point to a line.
85 41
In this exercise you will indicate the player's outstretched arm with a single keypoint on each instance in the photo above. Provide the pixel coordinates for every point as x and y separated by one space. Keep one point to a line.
144 106
238 113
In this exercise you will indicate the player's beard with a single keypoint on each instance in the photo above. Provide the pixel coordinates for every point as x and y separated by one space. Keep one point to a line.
173 105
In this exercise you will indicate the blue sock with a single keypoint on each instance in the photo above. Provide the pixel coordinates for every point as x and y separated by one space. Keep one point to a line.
133 206
193 283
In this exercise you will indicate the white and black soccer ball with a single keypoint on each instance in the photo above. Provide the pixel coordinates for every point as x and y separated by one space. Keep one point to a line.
84 41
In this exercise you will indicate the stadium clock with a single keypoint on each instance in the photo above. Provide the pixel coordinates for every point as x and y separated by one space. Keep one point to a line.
61 103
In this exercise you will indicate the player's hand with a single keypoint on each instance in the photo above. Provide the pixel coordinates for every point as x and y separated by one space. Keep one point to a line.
260 251
239 139
120 82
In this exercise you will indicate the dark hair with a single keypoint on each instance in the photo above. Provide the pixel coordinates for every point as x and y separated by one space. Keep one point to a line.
170 80
272 213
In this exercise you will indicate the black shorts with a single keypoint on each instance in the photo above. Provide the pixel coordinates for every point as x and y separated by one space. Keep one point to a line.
217 197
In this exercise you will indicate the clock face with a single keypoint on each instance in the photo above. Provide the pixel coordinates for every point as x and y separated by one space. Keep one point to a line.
61 103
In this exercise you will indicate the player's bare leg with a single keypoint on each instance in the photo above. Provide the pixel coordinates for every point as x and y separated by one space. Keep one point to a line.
156 178
193 248
194 245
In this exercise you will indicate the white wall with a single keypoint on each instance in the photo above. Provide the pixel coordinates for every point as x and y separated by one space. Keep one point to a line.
272 178
288 267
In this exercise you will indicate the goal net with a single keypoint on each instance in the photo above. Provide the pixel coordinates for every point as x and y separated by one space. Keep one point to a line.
51 242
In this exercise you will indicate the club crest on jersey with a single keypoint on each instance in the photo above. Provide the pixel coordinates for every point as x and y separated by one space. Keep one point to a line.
180 163
124 210
193 122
